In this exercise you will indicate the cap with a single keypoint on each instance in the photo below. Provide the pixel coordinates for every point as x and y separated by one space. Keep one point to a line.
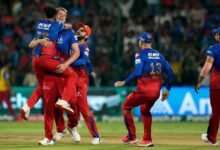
145 37
217 30
87 28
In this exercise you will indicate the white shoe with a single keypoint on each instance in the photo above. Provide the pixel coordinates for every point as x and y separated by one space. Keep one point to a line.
25 111
204 137
64 105
60 135
46 141
75 135
96 141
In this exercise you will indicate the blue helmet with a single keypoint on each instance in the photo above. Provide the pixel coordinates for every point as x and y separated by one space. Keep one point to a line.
145 37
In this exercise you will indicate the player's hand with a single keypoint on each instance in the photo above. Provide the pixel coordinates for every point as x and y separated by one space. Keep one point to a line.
68 26
165 94
61 68
46 42
119 83
93 74
197 87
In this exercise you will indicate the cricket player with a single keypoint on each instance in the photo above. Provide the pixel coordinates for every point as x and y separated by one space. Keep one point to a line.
45 61
5 87
53 89
82 33
149 66
212 63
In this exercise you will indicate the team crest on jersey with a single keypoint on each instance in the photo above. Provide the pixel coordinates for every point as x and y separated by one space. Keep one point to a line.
153 55
60 40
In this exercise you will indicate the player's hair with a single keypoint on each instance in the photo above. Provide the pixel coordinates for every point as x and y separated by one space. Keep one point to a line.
61 8
50 12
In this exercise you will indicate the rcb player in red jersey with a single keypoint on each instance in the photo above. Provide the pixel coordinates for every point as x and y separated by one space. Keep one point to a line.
212 63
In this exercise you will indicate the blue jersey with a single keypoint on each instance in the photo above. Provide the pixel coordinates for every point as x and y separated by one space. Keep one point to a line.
214 52
47 29
84 54
150 63
89 67
65 40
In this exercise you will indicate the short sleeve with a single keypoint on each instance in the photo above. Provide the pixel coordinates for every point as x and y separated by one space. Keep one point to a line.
210 51
61 26
73 37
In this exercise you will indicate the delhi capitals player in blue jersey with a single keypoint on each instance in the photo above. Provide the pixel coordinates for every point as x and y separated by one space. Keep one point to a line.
149 66
212 63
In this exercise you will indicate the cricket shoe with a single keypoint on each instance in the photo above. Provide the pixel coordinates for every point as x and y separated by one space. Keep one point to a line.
204 137
46 141
64 105
146 143
75 135
25 111
96 141
60 135
127 140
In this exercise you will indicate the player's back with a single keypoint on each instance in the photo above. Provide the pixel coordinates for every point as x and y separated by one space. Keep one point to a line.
153 67
47 29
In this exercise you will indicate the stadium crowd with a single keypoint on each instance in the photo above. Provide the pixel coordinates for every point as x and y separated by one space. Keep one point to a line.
181 30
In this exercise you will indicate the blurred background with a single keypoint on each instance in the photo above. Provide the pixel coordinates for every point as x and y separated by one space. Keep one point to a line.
181 30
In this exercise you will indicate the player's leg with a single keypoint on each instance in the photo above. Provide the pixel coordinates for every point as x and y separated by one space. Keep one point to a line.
36 94
83 106
6 97
128 104
49 96
134 99
72 123
60 124
212 131
50 64
147 121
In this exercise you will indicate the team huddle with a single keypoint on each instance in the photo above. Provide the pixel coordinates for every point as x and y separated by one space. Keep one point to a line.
60 60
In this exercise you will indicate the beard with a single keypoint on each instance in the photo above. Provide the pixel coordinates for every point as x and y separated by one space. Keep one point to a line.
79 37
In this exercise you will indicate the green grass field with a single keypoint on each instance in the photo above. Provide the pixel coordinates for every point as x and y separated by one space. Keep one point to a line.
166 136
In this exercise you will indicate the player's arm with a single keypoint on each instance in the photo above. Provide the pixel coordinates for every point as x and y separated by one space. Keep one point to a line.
44 42
168 70
205 70
74 57
68 26
82 60
90 68
137 72
62 67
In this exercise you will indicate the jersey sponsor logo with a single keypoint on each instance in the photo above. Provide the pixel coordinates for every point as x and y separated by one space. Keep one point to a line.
153 55
44 26
137 61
